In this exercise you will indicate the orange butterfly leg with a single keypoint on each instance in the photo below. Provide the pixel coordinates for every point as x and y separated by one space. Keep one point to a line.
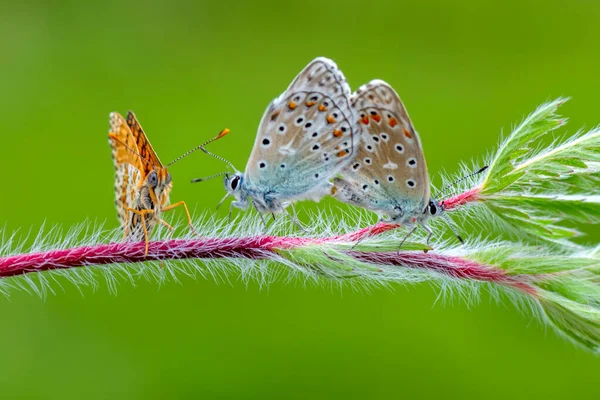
187 212
142 214
166 224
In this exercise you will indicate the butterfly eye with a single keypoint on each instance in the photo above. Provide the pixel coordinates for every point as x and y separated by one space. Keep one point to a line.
153 179
168 179
432 208
235 182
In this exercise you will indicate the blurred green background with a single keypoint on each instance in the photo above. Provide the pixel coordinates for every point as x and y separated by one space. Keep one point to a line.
465 69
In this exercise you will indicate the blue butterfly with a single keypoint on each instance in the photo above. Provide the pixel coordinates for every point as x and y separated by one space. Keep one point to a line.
305 137
389 174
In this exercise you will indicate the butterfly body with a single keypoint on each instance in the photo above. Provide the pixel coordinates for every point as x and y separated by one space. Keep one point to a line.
389 174
152 195
305 137
393 210
142 184
266 199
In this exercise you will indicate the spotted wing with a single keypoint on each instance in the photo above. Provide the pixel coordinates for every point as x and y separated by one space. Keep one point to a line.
123 143
126 189
127 165
306 135
144 148
389 173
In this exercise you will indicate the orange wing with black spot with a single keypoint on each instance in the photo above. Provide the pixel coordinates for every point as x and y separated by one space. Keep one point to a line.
123 143
144 147
128 165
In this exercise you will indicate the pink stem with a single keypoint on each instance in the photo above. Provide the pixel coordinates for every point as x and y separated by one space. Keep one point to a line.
102 254
259 247
452 266
470 196
256 248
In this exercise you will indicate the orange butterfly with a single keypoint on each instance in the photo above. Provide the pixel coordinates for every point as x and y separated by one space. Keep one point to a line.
142 184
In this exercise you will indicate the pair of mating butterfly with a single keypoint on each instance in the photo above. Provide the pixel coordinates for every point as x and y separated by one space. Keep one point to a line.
314 131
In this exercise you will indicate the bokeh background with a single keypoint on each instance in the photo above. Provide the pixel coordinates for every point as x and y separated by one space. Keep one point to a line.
465 69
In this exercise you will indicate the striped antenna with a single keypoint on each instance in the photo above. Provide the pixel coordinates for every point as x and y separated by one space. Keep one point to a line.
209 177
201 147
480 170
452 227
219 158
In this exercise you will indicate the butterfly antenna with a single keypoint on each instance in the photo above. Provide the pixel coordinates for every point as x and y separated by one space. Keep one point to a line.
209 177
450 185
452 227
218 158
114 137
219 136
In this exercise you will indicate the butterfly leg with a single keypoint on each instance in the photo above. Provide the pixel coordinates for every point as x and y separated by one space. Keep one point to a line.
264 222
142 214
429 232
165 224
169 227
187 213
220 203
242 205
406 237
262 218
230 212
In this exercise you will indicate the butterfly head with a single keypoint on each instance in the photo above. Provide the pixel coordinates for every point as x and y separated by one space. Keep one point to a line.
438 209
158 182
233 184
434 208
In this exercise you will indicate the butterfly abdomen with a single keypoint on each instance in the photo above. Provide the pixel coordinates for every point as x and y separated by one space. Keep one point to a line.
347 193
135 227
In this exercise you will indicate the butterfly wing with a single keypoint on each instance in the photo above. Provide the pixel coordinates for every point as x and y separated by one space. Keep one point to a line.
128 166
306 135
126 189
123 143
389 174
143 145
